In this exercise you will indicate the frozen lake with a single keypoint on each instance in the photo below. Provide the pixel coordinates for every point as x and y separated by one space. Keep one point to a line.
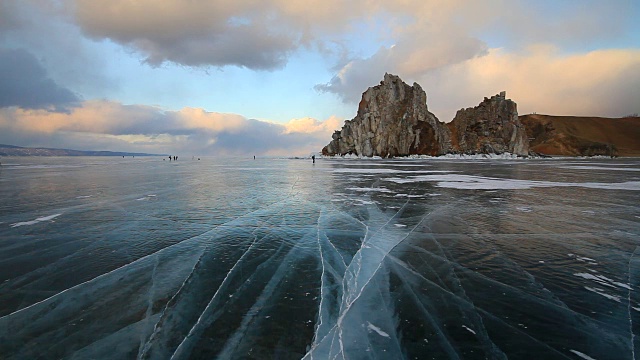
116 258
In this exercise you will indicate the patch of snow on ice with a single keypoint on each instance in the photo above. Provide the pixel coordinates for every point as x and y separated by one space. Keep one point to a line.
602 293
584 356
471 182
40 219
469 329
370 326
603 280
146 197
386 171
384 190
584 167
408 196
586 259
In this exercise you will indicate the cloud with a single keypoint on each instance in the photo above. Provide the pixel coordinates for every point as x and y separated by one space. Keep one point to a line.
309 125
218 33
25 83
259 35
448 47
98 125
565 24
437 44
541 79
417 52
44 30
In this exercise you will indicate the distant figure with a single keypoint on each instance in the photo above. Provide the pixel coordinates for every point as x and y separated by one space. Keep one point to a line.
198 159
123 156
254 157
169 158
313 157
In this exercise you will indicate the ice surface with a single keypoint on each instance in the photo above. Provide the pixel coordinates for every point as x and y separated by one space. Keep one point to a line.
285 259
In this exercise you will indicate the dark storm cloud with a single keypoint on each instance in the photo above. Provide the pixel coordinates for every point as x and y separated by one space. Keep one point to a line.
25 83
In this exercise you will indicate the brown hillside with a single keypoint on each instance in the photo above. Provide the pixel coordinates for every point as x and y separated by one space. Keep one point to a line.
582 136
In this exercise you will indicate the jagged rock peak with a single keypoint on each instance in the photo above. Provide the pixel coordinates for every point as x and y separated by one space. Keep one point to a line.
392 120
491 127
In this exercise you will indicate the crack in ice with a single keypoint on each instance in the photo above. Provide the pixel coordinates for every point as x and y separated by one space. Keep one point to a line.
633 345
198 327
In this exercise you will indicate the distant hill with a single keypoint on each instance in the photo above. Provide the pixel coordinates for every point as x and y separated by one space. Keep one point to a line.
10 150
582 136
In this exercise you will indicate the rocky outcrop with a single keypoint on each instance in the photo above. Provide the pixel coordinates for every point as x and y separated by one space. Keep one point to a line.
392 120
491 127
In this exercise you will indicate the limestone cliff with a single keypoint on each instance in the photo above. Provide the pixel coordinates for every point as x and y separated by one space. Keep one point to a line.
392 120
491 127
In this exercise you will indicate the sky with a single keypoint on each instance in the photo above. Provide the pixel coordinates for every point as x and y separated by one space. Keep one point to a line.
277 77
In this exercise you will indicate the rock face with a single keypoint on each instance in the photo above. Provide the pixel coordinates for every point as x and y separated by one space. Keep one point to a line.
491 127
392 120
